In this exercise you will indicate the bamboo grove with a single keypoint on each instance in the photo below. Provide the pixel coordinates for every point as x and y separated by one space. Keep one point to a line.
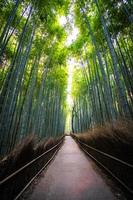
33 73
33 66
104 54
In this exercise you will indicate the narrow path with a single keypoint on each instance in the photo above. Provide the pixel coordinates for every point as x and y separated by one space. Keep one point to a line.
71 177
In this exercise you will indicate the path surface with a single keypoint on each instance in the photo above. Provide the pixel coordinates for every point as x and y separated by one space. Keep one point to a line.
71 177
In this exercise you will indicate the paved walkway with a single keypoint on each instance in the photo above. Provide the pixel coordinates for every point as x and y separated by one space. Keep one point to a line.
71 177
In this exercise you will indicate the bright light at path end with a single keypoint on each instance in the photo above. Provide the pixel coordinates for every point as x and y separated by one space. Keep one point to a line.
71 65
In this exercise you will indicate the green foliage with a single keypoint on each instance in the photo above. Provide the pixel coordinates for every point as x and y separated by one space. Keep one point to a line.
35 80
105 70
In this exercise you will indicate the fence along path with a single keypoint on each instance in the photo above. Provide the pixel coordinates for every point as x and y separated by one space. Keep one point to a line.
71 177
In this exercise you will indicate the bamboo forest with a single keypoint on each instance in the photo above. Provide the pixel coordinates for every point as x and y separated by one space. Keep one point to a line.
66 68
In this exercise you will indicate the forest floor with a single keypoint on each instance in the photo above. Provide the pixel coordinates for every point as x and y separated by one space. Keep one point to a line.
24 153
71 175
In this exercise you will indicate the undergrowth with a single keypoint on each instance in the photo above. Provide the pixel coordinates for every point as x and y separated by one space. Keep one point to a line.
115 139
23 153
